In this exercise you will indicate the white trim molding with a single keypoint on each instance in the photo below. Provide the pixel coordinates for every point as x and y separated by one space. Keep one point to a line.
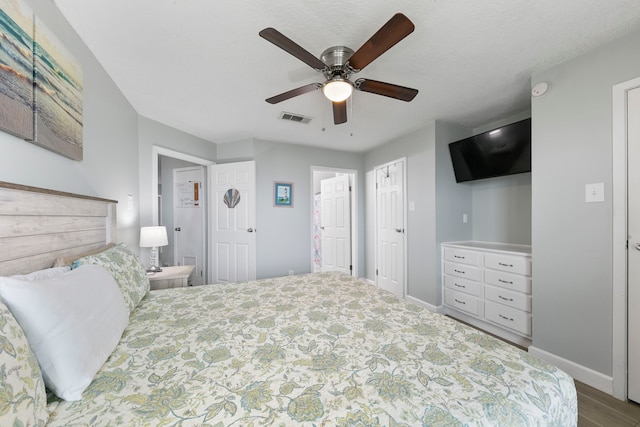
160 151
581 373
619 279
355 219
432 308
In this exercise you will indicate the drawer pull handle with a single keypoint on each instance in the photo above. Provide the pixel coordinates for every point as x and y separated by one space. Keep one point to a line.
505 265
505 281
459 302
458 271
510 319
458 256
460 286
506 299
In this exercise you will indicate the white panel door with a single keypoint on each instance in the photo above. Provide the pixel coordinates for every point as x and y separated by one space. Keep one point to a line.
335 212
633 159
390 228
189 220
233 222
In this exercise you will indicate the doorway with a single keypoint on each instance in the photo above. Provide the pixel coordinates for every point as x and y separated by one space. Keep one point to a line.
338 247
164 161
189 204
625 369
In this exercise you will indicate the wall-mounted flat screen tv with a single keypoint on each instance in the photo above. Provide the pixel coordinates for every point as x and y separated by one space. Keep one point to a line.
499 152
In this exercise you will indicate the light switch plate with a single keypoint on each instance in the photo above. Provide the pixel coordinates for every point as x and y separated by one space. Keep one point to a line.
594 192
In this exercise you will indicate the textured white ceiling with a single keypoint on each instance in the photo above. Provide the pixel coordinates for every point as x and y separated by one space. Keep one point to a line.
200 66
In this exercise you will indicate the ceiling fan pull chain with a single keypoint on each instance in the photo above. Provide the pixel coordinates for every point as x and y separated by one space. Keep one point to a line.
324 116
351 115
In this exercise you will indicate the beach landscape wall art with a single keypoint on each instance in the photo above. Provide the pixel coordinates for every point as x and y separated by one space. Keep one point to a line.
58 95
40 83
16 69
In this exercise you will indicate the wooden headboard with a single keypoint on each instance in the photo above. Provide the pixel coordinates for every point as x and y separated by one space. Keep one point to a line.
38 225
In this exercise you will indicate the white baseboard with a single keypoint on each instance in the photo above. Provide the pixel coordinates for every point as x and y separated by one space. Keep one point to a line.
418 302
581 373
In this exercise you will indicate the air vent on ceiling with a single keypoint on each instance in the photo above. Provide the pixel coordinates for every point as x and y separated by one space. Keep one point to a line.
294 117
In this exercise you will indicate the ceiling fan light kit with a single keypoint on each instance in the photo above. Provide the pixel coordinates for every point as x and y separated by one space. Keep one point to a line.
337 89
338 63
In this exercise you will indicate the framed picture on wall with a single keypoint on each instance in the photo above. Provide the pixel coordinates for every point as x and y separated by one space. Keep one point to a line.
16 73
58 104
283 194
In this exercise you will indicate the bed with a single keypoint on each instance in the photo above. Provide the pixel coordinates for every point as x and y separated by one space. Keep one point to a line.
316 349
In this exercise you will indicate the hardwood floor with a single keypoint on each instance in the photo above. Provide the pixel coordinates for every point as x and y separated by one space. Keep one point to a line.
596 408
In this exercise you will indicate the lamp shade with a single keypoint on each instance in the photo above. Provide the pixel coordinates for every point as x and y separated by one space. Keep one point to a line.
153 237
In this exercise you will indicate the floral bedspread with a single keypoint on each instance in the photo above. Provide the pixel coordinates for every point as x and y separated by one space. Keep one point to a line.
322 349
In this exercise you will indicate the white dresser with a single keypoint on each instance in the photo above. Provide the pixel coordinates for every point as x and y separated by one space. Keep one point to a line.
488 285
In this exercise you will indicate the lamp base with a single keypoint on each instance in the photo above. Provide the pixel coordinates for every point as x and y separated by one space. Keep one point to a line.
154 261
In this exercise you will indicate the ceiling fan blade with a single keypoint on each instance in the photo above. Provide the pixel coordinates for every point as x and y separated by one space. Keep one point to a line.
396 28
283 42
339 112
293 92
386 89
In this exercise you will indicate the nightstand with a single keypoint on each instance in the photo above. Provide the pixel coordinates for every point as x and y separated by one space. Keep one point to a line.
170 277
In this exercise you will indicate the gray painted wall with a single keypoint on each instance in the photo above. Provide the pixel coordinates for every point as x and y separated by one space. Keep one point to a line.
283 238
498 209
452 199
419 149
150 134
501 209
572 240
110 165
501 206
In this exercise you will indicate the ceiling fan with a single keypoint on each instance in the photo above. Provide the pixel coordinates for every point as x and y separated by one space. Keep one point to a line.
338 63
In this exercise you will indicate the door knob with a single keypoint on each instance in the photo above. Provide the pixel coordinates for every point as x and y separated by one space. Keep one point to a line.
250 230
177 229
638 246
398 230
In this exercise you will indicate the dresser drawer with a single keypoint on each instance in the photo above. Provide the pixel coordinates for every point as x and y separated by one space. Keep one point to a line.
512 299
512 264
463 302
463 285
462 256
513 282
511 318
465 271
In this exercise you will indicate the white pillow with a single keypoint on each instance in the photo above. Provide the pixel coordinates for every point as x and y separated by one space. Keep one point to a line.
47 273
72 321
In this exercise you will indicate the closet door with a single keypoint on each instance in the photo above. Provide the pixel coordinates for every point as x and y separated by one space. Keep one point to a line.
633 167
390 228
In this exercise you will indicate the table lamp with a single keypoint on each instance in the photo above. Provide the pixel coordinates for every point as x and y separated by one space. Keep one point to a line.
152 237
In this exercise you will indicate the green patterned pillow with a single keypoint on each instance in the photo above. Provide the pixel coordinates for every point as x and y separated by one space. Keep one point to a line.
126 268
23 400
